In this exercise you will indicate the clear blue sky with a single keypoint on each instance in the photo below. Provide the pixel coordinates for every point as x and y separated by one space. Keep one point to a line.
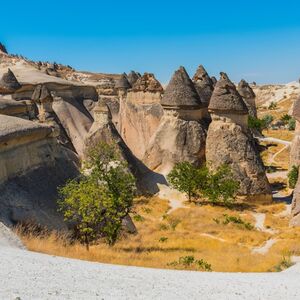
256 40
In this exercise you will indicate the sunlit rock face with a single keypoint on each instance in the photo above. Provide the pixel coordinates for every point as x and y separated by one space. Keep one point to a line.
140 112
180 135
248 95
230 142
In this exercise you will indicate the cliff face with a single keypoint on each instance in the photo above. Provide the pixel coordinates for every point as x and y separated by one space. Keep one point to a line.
140 114
32 166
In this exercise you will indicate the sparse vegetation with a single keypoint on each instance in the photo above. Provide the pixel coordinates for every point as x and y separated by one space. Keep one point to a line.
292 124
215 186
97 203
272 106
188 261
293 176
234 220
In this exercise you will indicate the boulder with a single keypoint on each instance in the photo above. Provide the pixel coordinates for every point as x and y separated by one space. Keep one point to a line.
9 83
132 77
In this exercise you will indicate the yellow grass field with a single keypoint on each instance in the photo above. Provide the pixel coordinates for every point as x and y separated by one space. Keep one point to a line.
191 231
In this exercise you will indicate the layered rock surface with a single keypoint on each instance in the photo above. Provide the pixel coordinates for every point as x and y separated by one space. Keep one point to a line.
229 142
248 95
180 135
32 166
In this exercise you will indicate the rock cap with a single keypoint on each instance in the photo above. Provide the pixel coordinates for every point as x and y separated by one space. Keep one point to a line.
123 83
132 77
147 83
9 82
245 90
181 91
226 98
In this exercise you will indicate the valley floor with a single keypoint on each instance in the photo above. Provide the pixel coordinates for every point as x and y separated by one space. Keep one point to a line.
30 275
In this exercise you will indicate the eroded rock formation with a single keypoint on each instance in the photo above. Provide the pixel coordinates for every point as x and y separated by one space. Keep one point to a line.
180 135
248 95
9 83
229 142
204 84
140 113
32 166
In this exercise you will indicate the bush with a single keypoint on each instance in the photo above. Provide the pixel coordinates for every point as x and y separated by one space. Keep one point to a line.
255 123
215 186
293 176
285 119
266 121
292 124
97 203
189 261
272 106
235 220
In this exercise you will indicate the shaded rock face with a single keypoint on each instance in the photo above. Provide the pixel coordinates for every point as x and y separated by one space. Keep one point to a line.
9 83
248 96
123 83
295 221
32 166
181 92
204 85
42 97
228 143
133 77
147 83
21 109
146 179
174 141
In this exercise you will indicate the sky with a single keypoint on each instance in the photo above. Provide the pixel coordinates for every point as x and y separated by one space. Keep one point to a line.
255 40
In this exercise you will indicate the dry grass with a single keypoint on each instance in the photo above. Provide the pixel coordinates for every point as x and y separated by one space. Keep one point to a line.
282 134
163 239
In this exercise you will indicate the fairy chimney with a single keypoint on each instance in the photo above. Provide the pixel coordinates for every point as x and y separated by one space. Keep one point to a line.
248 96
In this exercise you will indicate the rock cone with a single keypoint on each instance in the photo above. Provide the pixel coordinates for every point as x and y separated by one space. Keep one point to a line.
9 82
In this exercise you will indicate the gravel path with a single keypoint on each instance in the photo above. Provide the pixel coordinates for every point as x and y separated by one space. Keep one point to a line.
31 275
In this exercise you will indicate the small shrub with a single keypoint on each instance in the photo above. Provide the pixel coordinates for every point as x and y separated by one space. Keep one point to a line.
173 222
163 226
227 219
272 106
190 261
266 121
163 239
283 264
138 218
285 119
147 210
293 176
292 124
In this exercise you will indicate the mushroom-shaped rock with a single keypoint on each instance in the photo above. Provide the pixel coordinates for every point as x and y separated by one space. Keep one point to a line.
133 77
9 82
181 92
123 83
248 95
203 84
226 98
147 83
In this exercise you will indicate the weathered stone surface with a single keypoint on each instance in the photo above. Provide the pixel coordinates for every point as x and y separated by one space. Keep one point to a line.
204 85
147 83
248 96
32 166
3 48
103 130
226 98
214 80
123 83
15 108
132 77
174 141
228 143
295 221
181 92
9 83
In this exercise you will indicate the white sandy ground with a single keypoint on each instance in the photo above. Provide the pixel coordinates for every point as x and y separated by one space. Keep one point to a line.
31 275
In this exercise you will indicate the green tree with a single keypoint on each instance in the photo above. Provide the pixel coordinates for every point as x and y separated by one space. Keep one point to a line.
186 178
292 124
293 176
272 106
101 198
255 123
266 121
285 118
220 186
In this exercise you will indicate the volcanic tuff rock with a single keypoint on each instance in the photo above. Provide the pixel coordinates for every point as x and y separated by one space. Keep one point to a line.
180 91
214 80
9 83
140 113
226 98
178 138
123 83
32 166
204 85
132 77
147 83
230 142
3 48
249 97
